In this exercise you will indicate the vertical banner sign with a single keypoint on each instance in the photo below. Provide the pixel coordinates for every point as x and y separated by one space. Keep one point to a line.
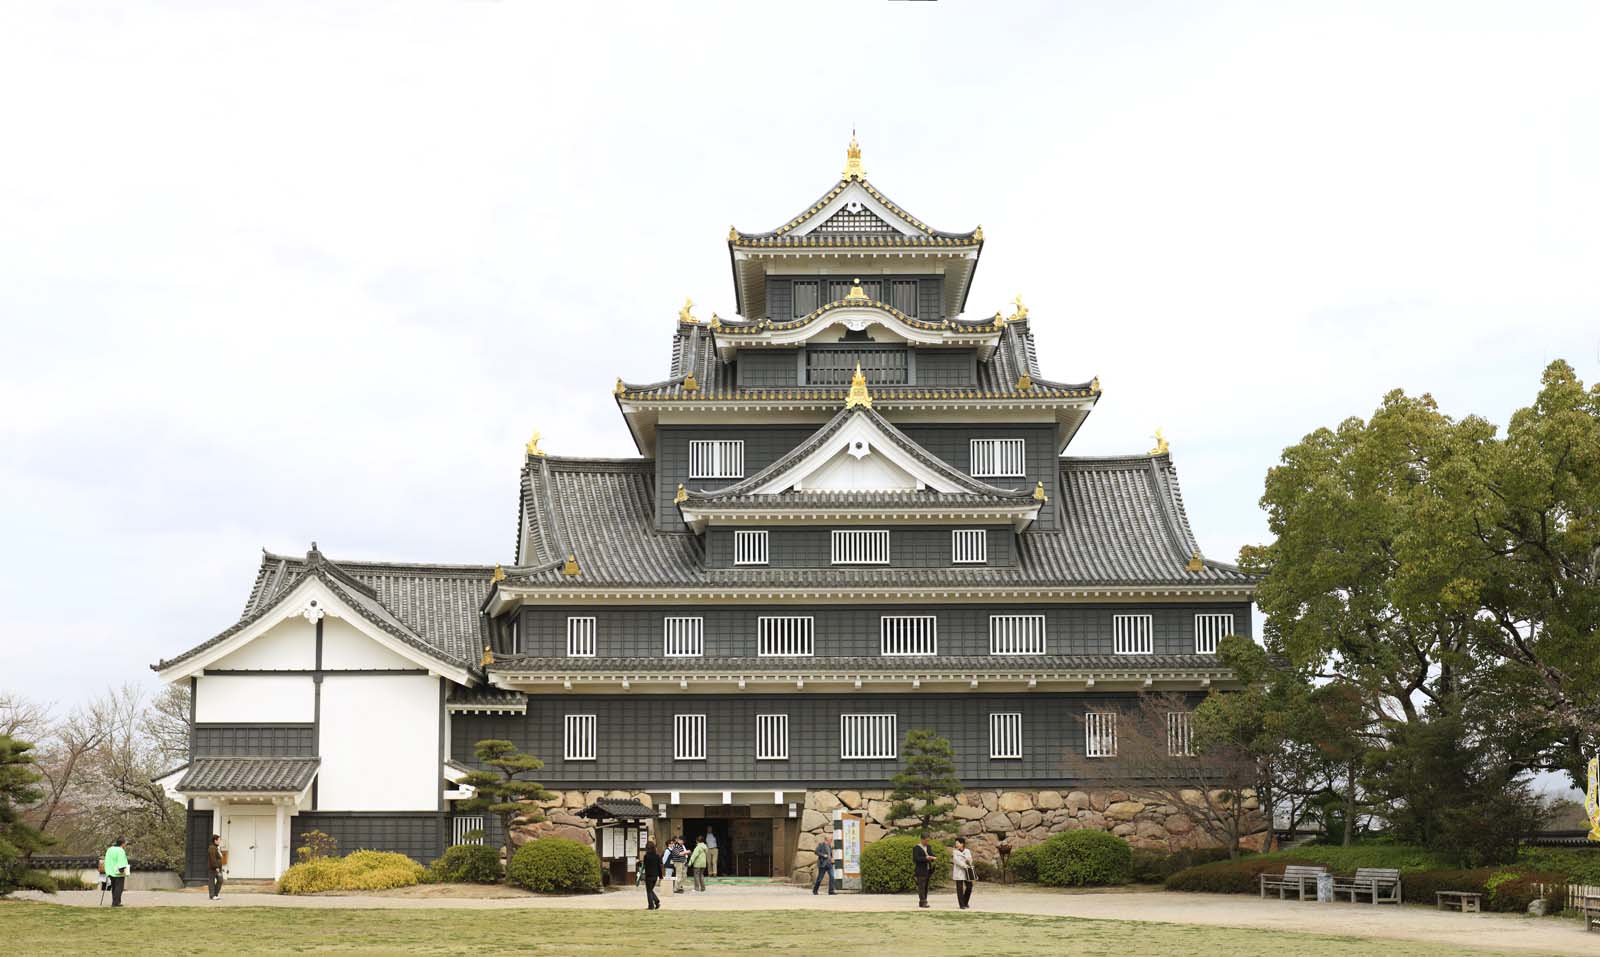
1591 799
851 851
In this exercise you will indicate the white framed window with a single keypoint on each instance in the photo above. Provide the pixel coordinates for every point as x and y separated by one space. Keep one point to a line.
789 636
683 637
1100 734
688 737
716 458
1016 634
580 637
1005 735
867 736
861 546
969 546
909 635
580 737
463 824
750 548
1132 635
999 458
772 737
1180 734
1209 629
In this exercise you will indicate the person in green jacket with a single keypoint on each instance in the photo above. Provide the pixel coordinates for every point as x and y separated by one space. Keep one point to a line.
697 863
116 865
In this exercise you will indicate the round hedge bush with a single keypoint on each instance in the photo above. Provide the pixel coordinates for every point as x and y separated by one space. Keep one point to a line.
555 865
357 871
887 868
465 864
1084 858
1022 866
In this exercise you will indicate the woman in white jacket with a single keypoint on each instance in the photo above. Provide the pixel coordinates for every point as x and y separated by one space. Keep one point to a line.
962 872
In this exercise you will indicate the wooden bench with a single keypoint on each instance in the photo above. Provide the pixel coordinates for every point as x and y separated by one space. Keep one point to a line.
1464 901
1590 905
1297 877
1382 884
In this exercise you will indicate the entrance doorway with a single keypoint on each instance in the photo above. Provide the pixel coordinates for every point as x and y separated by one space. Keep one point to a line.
248 839
744 843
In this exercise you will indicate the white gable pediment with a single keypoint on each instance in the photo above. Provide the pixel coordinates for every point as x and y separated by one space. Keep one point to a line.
860 457
859 204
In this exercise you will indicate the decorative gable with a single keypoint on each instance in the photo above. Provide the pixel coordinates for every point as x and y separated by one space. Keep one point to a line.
859 467
860 456
855 208
855 218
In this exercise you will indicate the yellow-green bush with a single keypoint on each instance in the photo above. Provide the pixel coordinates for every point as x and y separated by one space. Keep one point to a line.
357 871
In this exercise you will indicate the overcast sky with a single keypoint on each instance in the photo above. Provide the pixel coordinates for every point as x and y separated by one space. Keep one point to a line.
289 272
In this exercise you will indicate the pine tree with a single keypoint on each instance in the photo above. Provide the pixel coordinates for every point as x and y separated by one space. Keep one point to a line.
18 840
925 784
500 791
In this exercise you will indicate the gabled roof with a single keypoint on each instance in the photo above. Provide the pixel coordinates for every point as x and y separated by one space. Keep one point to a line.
248 775
431 608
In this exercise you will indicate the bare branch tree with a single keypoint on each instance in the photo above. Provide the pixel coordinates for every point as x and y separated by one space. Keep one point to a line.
23 719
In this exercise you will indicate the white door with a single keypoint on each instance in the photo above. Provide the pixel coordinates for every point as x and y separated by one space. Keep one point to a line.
248 839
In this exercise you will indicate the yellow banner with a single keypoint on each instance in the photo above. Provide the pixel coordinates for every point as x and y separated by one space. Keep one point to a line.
1591 799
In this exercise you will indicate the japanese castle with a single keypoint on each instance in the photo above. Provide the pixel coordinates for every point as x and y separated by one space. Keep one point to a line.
850 513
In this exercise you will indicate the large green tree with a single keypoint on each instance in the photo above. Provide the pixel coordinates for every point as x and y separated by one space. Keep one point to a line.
18 789
500 787
926 784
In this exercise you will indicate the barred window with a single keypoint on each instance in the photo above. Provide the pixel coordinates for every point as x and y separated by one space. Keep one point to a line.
580 737
462 825
716 458
1209 630
999 458
969 546
750 548
1180 734
789 636
903 296
805 297
689 737
772 737
909 635
867 736
861 547
1132 635
684 637
580 637
1016 634
1100 734
1005 735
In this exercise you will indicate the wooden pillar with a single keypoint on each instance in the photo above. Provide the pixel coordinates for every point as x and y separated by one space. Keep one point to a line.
280 838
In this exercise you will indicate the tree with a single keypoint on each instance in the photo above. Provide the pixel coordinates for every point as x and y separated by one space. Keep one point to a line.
926 782
17 839
501 791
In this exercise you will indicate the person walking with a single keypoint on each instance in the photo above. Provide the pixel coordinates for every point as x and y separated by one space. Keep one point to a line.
824 865
697 863
711 852
214 867
922 858
962 872
116 864
652 874
679 859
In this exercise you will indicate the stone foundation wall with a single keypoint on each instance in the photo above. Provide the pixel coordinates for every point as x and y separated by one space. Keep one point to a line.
561 816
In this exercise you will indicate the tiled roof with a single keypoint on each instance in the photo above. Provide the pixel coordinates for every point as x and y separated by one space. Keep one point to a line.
781 235
963 664
485 699
207 775
617 807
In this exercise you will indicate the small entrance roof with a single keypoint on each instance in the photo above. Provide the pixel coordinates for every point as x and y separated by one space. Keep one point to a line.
626 809
274 775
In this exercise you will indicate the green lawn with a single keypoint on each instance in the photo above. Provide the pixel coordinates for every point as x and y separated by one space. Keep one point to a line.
46 929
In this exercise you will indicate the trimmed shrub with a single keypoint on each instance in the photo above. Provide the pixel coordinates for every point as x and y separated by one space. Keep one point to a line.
555 865
1581 865
1154 867
465 864
1023 864
1231 877
1084 858
357 871
886 866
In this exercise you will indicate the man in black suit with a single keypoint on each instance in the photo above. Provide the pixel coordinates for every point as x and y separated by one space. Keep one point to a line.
922 857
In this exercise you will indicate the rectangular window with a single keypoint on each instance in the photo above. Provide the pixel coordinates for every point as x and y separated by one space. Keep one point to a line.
805 298
580 737
463 824
1209 630
1005 735
689 737
969 546
772 737
684 637
999 458
792 636
716 458
1100 734
1132 635
903 296
867 736
580 637
909 635
1016 634
1180 736
861 547
749 548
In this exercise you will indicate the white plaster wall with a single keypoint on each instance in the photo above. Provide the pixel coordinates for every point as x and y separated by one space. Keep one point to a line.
344 647
245 698
871 472
289 644
380 743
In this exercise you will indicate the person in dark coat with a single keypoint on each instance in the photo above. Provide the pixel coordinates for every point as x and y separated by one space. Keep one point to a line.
214 867
922 858
652 874
824 865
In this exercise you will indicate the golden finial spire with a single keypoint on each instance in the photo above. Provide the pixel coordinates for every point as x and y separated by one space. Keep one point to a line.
533 445
856 292
1161 444
858 391
852 160
683 314
499 573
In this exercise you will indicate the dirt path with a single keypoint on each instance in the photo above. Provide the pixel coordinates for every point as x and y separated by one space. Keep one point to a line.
1489 931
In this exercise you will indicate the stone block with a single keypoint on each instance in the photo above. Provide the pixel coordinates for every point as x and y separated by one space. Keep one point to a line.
1048 800
878 811
1098 800
998 822
990 800
1030 819
964 813
1123 810
1077 801
1124 830
1178 824
850 799
1015 801
970 829
813 820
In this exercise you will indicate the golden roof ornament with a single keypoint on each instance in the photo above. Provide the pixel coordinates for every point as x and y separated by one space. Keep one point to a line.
488 657
1038 493
977 234
852 160
1024 382
1196 563
1021 313
690 384
733 234
1161 444
618 389
716 322
533 446
683 314
682 496
858 391
570 568
1095 385
856 292
499 573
